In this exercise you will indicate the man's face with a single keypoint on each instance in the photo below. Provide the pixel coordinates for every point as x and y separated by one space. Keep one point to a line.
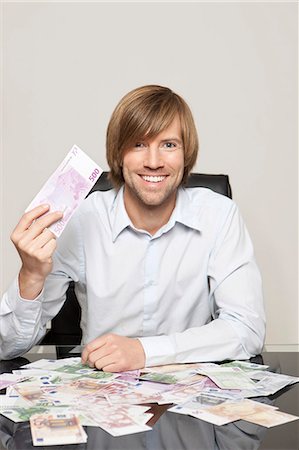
153 169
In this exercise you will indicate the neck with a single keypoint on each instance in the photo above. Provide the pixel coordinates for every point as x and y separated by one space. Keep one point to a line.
148 217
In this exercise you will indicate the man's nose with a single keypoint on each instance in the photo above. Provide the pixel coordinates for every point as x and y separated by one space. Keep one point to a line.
153 158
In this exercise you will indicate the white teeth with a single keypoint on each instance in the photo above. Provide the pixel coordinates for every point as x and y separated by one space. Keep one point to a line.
152 179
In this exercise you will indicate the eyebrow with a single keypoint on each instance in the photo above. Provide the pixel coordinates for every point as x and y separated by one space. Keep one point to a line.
172 139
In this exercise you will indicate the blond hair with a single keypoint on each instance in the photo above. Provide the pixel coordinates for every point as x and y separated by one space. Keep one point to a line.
145 112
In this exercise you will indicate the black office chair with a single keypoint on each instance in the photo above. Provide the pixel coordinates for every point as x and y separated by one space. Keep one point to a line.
65 327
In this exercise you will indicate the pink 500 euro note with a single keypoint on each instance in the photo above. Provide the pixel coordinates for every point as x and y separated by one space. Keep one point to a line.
68 186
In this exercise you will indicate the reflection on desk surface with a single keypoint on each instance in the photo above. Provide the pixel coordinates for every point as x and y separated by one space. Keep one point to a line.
174 431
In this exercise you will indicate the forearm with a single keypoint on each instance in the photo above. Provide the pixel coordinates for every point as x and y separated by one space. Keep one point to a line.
20 323
23 322
216 341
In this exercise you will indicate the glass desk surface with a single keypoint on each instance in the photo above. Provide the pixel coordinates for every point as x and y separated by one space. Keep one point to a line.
174 431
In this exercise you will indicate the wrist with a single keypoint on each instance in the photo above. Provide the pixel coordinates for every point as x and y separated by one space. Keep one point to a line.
30 285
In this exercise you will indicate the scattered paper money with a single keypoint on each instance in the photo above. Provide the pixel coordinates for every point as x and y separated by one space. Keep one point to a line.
228 377
9 379
70 366
270 418
180 394
23 414
121 420
167 378
245 365
68 186
218 410
218 395
52 364
56 429
170 368
267 383
235 410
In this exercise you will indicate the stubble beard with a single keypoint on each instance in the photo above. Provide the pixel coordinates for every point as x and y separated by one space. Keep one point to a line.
149 199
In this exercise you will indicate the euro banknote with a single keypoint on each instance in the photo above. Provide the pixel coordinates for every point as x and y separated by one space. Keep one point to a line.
55 429
68 186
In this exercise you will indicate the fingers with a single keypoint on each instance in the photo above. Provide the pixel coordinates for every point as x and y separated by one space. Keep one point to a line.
39 225
103 353
45 253
114 353
105 359
34 222
101 357
113 367
38 242
29 229
107 363
27 218
34 244
91 347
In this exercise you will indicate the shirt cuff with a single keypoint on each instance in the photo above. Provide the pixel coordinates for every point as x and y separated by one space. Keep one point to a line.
159 350
20 306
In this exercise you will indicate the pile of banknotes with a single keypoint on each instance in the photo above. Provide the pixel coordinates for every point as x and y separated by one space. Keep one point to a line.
59 397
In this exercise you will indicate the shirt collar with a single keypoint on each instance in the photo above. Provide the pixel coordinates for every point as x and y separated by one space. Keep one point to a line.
185 212
120 218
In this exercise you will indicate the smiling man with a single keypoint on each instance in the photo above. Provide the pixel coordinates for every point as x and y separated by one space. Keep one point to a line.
163 274
153 170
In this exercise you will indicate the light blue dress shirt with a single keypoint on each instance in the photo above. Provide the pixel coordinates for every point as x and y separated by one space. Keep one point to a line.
191 292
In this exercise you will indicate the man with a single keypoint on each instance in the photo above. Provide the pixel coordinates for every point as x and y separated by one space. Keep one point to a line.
163 274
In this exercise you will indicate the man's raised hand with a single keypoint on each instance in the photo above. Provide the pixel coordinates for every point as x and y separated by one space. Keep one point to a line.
35 245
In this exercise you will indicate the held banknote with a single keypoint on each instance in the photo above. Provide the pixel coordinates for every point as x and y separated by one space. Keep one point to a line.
68 186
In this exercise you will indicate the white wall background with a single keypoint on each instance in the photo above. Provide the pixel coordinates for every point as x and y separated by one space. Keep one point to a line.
66 65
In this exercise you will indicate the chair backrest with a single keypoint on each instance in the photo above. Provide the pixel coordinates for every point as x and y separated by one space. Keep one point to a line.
65 327
218 183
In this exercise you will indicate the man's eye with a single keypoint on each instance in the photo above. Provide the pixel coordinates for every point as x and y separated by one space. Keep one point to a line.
169 145
139 145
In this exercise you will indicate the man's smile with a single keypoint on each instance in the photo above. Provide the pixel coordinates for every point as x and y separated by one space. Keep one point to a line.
153 178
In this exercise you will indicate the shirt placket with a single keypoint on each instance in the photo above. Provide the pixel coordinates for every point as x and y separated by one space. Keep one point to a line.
151 268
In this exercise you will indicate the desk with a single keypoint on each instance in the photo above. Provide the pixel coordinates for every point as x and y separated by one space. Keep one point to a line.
174 431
